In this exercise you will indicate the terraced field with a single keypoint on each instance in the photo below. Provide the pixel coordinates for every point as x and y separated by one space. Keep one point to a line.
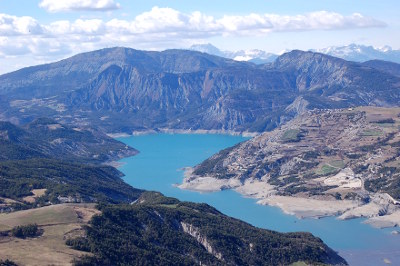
348 154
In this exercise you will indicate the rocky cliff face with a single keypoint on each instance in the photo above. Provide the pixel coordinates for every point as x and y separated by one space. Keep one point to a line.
333 82
195 232
125 90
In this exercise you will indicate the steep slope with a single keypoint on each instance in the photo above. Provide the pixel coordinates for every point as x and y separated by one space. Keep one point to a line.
46 138
124 90
201 235
46 163
229 98
69 74
347 158
60 181
384 66
329 82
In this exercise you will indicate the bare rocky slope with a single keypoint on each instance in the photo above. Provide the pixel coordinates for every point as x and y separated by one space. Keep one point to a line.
124 90
325 162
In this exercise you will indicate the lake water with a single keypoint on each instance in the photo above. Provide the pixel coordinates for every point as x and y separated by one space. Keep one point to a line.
159 165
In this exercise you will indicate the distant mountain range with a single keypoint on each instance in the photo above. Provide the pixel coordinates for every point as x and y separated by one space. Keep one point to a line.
254 55
362 53
352 52
125 90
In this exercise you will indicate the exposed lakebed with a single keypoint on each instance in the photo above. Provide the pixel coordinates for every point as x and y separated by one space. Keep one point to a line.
159 166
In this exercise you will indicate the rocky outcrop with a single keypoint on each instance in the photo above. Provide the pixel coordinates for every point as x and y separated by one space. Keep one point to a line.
195 232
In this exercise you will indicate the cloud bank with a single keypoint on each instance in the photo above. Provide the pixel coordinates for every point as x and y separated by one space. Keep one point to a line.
158 28
170 21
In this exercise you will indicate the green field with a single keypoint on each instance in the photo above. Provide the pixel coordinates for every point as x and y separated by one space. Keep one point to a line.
337 163
371 133
291 135
326 170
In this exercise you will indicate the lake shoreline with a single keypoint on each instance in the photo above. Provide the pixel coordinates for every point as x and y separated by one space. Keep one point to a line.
297 206
245 134
163 157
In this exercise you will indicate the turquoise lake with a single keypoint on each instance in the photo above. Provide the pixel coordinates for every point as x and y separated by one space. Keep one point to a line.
159 165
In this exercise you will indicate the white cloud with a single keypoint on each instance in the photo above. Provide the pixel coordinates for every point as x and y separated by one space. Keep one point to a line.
158 28
12 25
8 48
170 22
250 22
78 5
167 20
79 26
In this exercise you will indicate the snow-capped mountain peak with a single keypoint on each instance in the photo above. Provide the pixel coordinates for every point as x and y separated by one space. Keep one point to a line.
362 53
253 55
351 52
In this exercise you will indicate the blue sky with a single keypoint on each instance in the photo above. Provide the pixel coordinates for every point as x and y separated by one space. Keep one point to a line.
38 31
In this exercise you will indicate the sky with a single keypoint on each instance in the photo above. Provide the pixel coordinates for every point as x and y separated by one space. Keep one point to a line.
39 31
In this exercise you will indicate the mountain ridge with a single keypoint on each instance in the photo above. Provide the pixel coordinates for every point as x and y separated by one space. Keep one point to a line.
187 90
202 235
